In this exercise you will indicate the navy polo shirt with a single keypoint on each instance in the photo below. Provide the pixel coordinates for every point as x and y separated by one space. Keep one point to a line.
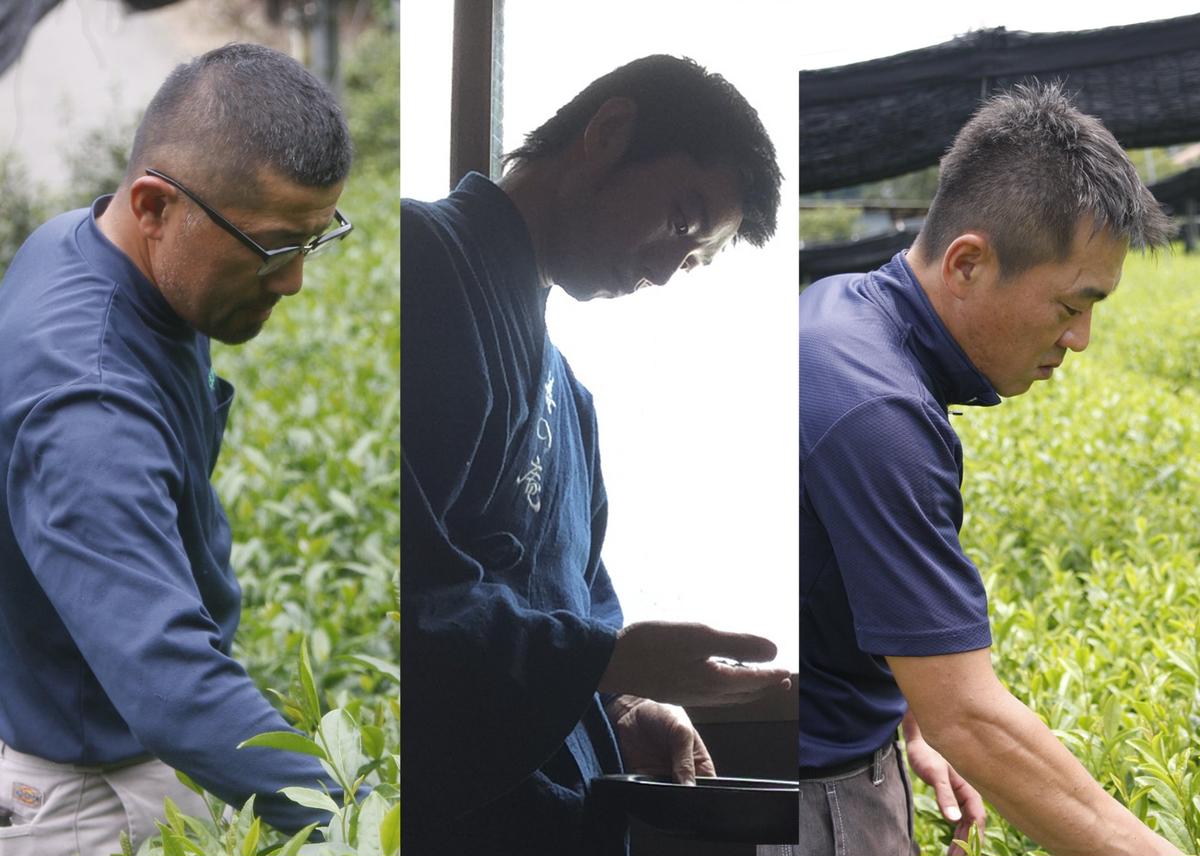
882 571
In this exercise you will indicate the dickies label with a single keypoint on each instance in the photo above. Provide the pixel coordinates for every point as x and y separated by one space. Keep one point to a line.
26 795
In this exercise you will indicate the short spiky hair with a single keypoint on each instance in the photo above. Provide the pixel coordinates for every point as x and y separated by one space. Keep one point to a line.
240 108
1026 170
681 107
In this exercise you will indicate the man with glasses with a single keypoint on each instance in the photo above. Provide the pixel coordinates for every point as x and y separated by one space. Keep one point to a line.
119 603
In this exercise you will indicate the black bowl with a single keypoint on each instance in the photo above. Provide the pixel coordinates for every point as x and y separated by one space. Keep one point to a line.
749 811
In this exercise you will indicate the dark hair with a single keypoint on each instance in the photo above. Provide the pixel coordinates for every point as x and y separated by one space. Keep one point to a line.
1026 170
680 108
237 109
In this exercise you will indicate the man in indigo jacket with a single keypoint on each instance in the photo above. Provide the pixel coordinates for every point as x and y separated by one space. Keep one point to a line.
1035 210
520 684
118 604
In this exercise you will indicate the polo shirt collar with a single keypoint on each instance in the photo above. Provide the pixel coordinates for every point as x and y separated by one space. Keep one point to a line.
955 378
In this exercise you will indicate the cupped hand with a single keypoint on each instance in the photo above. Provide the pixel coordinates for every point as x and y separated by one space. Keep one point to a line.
673 662
658 740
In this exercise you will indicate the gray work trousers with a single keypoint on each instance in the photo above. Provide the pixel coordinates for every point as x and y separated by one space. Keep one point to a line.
69 810
866 812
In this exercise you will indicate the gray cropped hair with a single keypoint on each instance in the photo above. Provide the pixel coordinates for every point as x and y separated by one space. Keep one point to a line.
1026 170
237 109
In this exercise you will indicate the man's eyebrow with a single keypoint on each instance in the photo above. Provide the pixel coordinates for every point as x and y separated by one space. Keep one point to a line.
1089 292
291 235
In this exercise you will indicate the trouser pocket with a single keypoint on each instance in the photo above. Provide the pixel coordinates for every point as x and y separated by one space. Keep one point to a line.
17 830
23 794
19 841
866 813
63 810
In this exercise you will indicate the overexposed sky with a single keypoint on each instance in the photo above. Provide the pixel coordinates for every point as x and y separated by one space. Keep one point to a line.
695 383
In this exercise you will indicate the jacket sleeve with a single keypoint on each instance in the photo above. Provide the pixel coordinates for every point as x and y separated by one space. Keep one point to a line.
92 490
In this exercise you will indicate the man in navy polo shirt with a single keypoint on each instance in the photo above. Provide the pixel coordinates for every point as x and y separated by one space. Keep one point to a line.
1036 207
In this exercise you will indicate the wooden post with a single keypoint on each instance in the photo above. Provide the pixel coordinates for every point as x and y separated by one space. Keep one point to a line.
471 92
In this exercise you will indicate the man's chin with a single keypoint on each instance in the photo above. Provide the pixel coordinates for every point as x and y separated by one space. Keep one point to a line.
234 337
585 294
1014 389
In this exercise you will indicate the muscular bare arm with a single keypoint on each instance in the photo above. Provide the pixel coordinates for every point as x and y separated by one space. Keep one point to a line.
1012 758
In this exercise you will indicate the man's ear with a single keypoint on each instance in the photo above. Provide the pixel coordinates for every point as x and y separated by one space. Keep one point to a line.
609 132
968 262
150 200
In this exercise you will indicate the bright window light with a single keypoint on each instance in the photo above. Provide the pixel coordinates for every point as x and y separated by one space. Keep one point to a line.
695 384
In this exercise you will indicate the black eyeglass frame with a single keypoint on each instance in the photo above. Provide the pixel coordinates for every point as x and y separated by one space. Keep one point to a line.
272 260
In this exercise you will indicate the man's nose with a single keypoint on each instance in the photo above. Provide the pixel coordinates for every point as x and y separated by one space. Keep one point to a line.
668 265
1078 334
288 280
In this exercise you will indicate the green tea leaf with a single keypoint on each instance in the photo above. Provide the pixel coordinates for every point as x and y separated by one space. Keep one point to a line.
309 698
250 842
188 783
312 798
287 740
389 832
292 846
341 737
391 670
373 741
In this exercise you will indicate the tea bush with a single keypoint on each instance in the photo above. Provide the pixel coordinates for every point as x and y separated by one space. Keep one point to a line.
1081 515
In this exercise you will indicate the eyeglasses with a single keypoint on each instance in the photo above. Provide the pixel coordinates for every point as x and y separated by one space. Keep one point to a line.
272 260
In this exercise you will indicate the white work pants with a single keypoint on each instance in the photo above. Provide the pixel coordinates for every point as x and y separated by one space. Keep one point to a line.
68 810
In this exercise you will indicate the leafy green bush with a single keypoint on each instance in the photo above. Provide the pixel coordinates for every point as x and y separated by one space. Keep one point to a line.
827 225
1080 501
371 80
24 207
353 753
96 163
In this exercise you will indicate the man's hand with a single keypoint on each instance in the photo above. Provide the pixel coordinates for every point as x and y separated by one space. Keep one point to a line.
672 662
658 740
960 803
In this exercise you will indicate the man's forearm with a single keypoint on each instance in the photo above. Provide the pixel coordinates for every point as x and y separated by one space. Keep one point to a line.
1014 760
1001 747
